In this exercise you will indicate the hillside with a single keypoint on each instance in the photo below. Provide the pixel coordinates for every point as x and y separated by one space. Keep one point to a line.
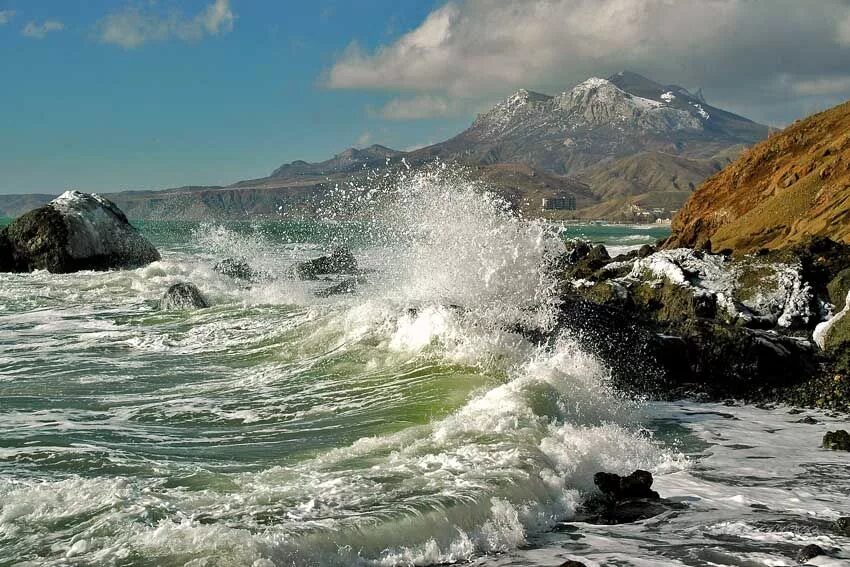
793 185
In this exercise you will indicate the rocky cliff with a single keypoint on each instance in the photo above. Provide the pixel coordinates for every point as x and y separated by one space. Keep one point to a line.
791 187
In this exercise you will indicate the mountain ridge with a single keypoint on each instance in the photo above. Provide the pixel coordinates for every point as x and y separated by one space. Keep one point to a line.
578 137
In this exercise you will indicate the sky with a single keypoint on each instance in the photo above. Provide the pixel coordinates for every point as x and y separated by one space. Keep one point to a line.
107 95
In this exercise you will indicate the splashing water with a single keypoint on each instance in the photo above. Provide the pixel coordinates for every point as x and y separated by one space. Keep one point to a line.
408 423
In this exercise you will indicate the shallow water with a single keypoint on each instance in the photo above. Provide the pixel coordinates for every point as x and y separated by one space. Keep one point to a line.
407 423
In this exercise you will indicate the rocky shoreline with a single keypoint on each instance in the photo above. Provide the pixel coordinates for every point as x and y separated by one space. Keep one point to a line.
684 323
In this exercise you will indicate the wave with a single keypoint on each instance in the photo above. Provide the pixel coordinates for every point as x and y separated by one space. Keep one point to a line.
411 423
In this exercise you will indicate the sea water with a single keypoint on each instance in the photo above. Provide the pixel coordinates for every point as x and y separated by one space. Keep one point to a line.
408 423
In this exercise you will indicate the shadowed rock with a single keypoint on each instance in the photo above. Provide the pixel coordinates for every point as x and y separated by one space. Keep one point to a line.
837 440
623 499
76 231
339 261
809 552
344 287
236 268
183 296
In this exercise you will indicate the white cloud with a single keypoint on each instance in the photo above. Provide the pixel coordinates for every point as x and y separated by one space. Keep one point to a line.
480 48
363 140
133 27
6 16
843 31
822 86
418 108
40 31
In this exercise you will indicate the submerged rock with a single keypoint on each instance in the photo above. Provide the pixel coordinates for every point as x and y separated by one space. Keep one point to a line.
346 286
339 261
238 269
76 231
616 487
842 526
623 499
809 552
837 440
183 296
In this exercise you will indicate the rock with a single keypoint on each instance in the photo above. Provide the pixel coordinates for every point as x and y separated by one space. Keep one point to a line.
809 420
339 261
76 231
236 268
571 563
346 286
582 260
636 485
837 440
842 526
646 250
623 499
838 289
183 296
809 552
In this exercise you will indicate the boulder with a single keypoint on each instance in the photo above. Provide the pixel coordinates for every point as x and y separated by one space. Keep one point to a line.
809 552
237 268
76 231
346 286
183 296
616 487
339 261
623 499
842 526
837 440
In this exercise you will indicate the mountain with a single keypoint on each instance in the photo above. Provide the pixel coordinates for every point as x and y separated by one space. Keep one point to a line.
794 185
625 148
351 160
595 121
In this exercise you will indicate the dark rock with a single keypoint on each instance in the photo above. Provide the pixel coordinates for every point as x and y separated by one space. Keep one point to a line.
623 499
236 268
339 261
809 552
842 526
76 231
583 260
183 296
838 288
652 353
346 286
636 485
837 440
571 563
646 250
807 420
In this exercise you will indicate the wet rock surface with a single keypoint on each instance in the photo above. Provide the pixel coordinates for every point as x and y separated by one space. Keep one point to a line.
809 552
236 268
685 323
623 499
340 261
183 296
837 440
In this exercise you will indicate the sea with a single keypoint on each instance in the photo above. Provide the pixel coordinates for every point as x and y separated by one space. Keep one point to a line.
407 423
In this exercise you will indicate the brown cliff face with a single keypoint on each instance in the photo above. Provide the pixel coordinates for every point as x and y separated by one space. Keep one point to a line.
794 185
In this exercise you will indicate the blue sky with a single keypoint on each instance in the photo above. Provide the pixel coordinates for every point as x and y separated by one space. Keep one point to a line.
79 112
110 95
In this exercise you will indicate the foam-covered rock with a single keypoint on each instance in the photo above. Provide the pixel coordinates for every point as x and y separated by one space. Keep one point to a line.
76 231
